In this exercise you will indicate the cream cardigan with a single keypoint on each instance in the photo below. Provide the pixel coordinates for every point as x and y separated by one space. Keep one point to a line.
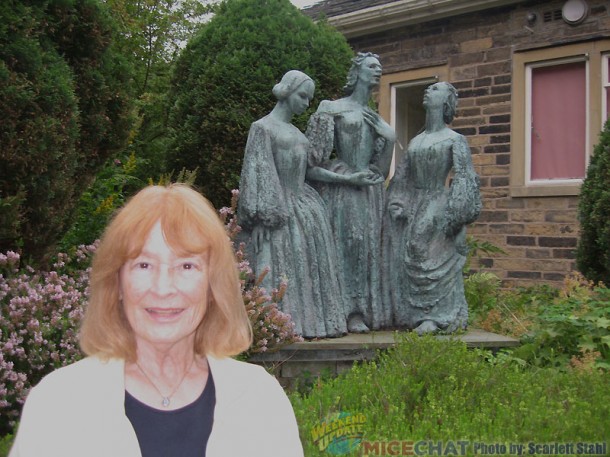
78 411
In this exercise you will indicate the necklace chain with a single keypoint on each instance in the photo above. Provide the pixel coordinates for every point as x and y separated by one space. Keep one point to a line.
166 399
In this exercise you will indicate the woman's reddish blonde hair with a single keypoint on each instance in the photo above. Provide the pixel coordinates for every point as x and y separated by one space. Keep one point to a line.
191 226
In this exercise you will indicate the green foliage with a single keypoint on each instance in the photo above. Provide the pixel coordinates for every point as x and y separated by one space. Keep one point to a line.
571 331
10 216
115 183
510 312
151 33
224 77
65 109
593 253
108 192
428 389
481 292
5 445
478 247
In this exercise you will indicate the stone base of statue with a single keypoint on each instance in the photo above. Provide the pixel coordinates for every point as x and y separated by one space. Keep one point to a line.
332 356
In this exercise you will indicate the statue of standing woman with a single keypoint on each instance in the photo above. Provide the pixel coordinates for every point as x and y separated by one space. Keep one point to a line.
286 218
363 143
431 198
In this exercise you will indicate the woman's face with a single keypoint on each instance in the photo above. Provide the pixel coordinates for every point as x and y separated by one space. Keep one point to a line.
299 99
164 294
436 95
370 71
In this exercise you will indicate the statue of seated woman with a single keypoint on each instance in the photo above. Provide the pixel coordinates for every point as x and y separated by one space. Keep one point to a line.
431 198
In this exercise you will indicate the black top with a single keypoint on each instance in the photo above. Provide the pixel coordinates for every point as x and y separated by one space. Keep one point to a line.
182 432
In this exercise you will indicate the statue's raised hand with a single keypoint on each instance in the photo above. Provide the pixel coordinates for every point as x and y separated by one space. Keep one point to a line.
382 128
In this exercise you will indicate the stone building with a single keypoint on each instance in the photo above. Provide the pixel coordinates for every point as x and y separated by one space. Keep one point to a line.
534 89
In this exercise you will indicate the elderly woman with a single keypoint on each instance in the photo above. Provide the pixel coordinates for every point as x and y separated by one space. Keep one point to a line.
363 143
287 219
424 231
164 317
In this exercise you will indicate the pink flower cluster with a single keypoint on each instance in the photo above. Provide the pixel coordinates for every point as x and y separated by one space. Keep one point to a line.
40 312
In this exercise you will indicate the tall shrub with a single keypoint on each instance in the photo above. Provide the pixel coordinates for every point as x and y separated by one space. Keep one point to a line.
65 108
593 253
223 81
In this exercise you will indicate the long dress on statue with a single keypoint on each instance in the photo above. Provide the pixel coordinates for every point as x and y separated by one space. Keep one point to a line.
355 211
300 250
425 249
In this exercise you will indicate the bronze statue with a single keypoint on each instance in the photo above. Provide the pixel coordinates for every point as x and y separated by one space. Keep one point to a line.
362 143
431 198
286 218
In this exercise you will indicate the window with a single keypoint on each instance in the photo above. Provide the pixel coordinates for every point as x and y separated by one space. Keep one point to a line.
401 96
560 99
556 140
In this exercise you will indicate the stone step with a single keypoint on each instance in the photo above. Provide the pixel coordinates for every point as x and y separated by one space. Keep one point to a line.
334 355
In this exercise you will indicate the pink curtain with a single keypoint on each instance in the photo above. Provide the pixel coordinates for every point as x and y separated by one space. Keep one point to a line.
559 121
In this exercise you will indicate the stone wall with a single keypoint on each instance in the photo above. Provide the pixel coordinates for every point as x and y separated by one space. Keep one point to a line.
539 234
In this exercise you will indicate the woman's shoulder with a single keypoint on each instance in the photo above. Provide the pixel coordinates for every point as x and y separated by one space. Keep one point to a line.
241 375
79 375
264 123
270 125
331 107
456 136
233 366
87 365
77 387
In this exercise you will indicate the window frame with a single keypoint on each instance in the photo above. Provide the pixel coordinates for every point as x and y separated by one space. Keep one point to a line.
528 120
593 53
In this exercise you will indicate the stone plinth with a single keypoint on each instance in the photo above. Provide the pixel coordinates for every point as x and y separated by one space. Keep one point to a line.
334 355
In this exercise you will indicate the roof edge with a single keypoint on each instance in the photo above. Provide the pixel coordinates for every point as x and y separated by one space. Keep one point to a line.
406 12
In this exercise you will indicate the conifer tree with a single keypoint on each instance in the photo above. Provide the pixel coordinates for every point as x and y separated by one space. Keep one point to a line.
65 108
593 254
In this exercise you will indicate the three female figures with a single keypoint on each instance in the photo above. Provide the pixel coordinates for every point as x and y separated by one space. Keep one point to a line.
431 198
287 219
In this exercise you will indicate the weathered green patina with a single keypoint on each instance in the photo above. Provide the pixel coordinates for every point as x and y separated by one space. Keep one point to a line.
424 241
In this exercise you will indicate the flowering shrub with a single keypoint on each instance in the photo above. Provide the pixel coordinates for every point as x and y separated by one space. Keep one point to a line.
40 313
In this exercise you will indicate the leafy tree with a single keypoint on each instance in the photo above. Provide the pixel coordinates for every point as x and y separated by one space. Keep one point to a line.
65 108
223 81
593 253
152 32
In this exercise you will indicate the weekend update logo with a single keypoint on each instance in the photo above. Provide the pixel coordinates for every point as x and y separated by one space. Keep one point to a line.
340 433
